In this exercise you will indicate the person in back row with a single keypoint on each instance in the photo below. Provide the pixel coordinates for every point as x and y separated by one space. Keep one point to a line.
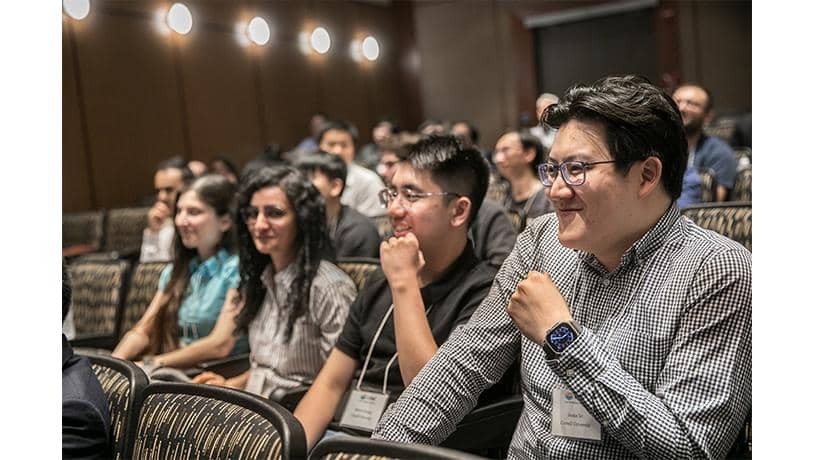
429 283
185 322
362 185
294 299
157 239
517 158
633 324
353 234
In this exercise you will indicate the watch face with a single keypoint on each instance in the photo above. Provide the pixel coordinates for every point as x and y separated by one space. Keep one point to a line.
560 337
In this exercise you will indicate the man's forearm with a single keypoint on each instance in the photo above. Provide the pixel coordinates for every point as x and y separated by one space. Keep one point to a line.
415 341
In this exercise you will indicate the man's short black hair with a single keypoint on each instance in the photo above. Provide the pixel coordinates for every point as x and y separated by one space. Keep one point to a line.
454 168
640 119
339 125
179 163
331 165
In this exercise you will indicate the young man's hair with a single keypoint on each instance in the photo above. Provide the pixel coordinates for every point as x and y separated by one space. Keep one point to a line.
338 125
472 130
454 168
640 119
179 163
331 165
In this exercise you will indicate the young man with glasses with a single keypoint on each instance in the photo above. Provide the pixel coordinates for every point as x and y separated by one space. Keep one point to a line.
430 282
633 324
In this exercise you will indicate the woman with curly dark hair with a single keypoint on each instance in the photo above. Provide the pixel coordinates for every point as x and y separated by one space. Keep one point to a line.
295 301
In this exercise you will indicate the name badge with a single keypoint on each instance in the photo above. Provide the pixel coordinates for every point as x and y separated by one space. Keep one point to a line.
363 409
570 419
256 381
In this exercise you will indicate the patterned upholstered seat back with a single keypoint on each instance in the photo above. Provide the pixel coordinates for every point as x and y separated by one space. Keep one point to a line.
723 127
123 382
123 229
97 296
742 186
383 224
361 448
730 219
144 282
82 228
708 185
358 268
179 420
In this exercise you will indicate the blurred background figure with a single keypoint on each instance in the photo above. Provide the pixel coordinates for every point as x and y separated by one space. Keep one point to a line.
545 134
309 143
431 127
199 168
368 155
157 239
224 166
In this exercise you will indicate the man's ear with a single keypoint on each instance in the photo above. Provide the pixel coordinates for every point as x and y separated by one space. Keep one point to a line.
650 171
460 211
336 188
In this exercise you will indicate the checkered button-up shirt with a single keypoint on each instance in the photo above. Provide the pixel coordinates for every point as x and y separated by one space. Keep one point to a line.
663 362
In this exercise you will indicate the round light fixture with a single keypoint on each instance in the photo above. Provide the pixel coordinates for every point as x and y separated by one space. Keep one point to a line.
371 49
321 42
77 9
258 31
180 19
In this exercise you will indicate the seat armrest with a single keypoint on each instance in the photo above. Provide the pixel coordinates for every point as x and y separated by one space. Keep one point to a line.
290 397
227 367
487 428
104 341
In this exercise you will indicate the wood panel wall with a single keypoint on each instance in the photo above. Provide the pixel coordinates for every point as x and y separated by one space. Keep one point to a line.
134 95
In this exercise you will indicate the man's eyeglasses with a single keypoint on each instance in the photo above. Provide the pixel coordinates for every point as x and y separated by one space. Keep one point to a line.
407 196
573 172
250 214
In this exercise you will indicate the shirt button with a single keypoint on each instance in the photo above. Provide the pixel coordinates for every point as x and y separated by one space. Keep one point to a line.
570 373
606 281
605 424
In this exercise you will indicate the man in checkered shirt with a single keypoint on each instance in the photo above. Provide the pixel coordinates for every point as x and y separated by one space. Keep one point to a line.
633 324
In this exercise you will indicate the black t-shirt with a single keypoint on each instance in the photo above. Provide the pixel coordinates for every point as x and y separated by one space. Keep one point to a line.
355 235
449 301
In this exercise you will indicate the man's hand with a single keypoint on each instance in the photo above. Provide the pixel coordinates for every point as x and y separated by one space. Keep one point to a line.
210 378
537 306
401 260
157 215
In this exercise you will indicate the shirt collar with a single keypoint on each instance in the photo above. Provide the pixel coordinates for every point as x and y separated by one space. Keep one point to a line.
270 278
644 247
212 265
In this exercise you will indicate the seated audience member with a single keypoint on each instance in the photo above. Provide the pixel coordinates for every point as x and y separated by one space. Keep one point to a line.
517 157
362 185
692 191
309 143
369 156
491 232
468 135
391 152
695 104
189 319
222 165
544 133
626 316
157 239
431 127
198 168
85 419
294 300
429 283
351 233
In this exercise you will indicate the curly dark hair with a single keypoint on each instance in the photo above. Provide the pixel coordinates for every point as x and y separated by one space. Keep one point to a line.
313 244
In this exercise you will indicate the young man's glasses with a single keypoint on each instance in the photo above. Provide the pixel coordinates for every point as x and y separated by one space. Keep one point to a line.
250 214
573 172
407 196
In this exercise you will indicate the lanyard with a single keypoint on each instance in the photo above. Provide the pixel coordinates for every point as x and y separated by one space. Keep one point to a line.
371 350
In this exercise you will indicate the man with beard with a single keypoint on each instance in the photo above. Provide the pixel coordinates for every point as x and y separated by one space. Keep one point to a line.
705 152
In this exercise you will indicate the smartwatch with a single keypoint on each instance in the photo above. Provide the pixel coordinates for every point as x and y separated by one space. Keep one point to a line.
559 337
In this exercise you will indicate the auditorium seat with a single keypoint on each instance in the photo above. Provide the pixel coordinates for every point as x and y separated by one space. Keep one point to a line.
82 232
123 383
359 448
708 185
180 420
358 268
123 231
96 306
142 287
731 219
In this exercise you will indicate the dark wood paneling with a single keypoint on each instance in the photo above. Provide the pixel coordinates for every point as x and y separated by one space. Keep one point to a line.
132 102
76 188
